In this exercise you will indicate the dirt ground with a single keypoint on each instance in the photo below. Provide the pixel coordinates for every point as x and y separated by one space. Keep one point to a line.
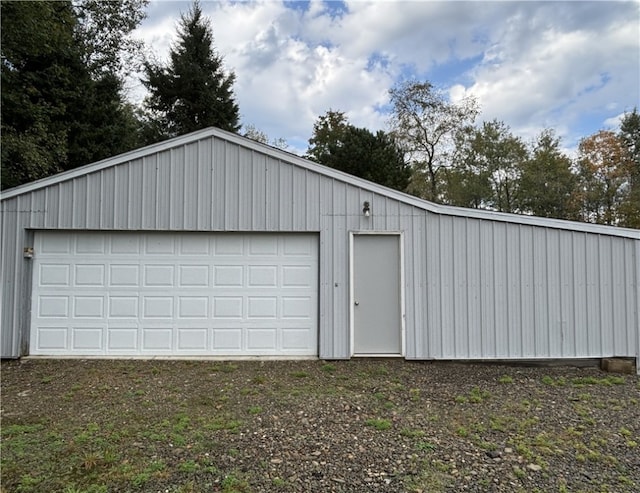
313 426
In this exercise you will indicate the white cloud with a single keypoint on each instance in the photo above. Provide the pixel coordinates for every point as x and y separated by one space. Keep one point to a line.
565 65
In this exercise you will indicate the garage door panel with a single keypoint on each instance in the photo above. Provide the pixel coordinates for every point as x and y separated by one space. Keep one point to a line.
193 276
51 339
87 339
124 275
88 307
54 275
52 306
175 293
93 244
89 275
227 339
228 276
193 339
122 339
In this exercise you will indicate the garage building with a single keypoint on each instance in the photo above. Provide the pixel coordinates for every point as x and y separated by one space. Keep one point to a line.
213 245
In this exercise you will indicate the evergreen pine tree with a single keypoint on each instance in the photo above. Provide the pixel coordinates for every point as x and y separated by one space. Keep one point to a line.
193 91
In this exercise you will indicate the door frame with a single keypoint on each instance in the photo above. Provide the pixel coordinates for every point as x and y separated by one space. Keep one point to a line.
400 235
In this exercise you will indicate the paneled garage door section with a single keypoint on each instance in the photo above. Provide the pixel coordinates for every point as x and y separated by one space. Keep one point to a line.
175 294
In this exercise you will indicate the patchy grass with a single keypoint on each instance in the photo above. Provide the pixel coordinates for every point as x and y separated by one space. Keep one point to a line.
193 426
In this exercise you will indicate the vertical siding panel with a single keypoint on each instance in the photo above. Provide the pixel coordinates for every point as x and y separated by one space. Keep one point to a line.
150 192
325 302
300 201
619 307
285 198
232 187
447 288
38 206
606 302
488 340
10 257
79 209
500 301
219 200
527 292
474 313
176 188
631 290
416 322
258 192
434 284
164 202
65 206
136 187
593 295
108 212
578 248
205 185
513 287
122 200
312 201
460 281
566 258
554 316
245 185
408 282
340 246
190 192
541 306
273 194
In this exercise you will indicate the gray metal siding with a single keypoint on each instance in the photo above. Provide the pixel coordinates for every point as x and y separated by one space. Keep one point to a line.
480 286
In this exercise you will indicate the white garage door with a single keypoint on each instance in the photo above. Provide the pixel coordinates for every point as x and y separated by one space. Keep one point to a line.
218 294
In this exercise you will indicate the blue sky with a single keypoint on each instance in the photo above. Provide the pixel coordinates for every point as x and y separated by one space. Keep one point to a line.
572 66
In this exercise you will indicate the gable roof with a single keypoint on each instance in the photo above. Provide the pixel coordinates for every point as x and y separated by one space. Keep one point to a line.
322 170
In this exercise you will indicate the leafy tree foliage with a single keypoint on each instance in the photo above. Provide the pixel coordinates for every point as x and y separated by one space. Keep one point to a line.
486 168
328 133
604 166
547 184
425 122
358 151
629 210
58 112
193 91
253 133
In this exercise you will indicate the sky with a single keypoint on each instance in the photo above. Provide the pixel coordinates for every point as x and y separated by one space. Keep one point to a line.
570 66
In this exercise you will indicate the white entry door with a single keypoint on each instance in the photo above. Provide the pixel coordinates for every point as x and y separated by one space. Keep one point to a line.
219 294
377 296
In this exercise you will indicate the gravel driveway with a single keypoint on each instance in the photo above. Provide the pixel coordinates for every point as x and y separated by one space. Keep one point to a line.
312 426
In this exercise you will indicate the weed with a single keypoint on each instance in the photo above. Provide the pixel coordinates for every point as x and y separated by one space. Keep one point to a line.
259 380
188 466
519 473
414 394
461 399
328 368
505 379
461 431
425 446
141 479
255 410
624 432
408 432
632 443
233 483
278 482
300 374
379 423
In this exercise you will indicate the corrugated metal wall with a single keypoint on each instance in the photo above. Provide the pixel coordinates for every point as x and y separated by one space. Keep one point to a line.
474 287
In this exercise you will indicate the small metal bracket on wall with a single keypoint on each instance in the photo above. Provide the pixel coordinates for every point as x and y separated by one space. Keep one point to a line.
27 252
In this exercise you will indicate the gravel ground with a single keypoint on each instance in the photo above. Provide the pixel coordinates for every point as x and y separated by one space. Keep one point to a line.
312 426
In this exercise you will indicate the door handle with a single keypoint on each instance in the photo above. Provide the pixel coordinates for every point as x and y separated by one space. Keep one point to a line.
357 303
